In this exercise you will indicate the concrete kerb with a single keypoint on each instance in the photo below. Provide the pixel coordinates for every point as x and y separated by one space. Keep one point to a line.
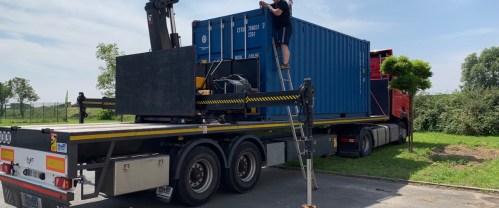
394 179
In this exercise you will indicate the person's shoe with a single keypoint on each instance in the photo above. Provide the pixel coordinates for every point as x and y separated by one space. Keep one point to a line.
285 66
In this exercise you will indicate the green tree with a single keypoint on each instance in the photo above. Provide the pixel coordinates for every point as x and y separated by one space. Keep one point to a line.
412 76
481 72
5 96
107 79
22 91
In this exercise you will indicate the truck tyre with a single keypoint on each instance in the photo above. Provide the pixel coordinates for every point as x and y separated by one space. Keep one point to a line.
246 166
402 133
365 143
200 177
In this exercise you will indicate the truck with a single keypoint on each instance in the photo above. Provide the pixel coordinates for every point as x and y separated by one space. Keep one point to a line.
212 113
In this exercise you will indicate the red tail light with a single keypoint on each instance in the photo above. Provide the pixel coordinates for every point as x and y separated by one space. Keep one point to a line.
63 183
348 140
5 168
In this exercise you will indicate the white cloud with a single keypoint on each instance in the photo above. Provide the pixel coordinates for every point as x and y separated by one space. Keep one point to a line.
326 13
352 7
447 71
52 43
473 32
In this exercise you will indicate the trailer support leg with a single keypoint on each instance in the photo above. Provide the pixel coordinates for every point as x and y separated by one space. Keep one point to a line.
309 140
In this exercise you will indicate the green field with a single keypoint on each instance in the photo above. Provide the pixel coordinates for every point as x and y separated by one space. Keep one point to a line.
437 157
72 118
8 122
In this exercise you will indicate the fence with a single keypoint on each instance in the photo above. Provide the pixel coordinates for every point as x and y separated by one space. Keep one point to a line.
39 113
36 112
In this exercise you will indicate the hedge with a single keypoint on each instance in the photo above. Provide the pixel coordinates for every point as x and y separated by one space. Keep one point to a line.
461 112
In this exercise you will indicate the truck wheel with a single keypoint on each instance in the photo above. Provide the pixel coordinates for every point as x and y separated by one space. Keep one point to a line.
365 143
402 133
200 178
246 166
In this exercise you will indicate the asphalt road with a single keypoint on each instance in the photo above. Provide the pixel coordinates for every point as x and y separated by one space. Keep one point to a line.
283 188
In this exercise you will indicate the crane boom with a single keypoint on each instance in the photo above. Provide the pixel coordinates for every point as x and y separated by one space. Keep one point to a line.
157 12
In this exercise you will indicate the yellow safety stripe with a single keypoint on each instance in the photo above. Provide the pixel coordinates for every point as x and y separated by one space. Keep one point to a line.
129 134
348 121
193 130
97 103
92 103
257 99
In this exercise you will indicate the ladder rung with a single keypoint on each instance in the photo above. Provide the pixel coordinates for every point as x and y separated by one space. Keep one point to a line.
286 80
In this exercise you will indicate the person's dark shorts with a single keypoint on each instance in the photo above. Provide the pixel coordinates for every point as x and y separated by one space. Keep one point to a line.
284 35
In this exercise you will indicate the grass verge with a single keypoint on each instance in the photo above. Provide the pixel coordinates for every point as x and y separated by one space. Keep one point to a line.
8 122
437 158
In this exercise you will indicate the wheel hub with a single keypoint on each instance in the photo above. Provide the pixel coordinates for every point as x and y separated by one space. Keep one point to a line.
246 167
366 143
243 166
200 176
403 133
196 175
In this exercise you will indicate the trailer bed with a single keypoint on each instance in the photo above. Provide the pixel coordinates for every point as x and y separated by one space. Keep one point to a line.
98 132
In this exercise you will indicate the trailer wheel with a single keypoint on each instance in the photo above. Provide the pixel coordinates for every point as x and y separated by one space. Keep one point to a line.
402 133
200 178
365 143
246 166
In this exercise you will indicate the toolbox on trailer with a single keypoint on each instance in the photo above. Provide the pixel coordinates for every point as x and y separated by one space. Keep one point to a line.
337 63
141 172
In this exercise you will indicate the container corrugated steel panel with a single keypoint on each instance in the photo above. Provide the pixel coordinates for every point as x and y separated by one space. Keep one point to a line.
337 63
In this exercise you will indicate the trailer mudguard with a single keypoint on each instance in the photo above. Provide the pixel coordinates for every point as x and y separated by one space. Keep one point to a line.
351 148
194 143
230 151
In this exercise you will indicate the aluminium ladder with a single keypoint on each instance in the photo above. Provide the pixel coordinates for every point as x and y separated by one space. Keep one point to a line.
291 116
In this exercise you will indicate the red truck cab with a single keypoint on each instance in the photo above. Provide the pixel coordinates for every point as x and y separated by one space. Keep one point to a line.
398 101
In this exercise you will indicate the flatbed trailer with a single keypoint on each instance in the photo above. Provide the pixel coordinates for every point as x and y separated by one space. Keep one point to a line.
197 127
95 147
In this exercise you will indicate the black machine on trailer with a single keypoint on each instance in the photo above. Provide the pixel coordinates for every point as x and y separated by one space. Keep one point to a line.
185 140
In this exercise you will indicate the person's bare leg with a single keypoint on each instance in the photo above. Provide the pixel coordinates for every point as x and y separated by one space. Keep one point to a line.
285 53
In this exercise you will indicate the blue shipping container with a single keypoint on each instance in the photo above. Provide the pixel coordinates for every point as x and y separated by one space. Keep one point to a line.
337 63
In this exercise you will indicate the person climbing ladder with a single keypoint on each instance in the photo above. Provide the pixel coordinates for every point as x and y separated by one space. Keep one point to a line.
280 9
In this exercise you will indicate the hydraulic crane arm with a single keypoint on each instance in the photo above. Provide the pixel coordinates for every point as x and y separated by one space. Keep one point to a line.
157 12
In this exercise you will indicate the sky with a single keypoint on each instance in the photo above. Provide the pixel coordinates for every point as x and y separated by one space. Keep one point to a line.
52 43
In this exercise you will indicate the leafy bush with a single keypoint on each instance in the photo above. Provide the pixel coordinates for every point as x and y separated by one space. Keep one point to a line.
467 112
103 114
